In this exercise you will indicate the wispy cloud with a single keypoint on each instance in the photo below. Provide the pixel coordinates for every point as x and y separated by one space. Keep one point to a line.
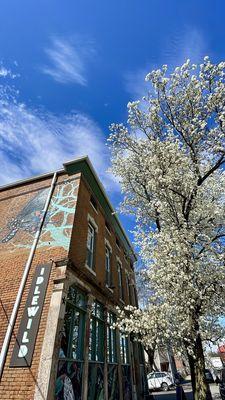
188 43
34 141
67 61
183 44
7 72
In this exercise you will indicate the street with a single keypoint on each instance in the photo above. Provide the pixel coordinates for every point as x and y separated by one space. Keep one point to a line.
171 394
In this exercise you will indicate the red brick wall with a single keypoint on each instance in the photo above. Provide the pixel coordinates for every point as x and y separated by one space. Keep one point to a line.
18 383
78 249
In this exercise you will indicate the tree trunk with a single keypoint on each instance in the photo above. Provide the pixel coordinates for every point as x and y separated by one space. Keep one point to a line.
200 387
150 353
191 361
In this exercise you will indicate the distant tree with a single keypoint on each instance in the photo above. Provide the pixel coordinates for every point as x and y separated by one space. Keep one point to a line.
170 160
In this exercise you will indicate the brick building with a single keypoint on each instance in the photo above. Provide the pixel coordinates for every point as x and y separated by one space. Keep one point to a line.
66 264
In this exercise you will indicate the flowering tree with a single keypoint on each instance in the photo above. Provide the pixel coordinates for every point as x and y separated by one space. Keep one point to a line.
170 159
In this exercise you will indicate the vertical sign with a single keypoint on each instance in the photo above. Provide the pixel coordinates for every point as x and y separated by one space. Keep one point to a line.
26 337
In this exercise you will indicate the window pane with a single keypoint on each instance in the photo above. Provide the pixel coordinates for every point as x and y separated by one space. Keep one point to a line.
100 341
96 381
69 377
69 380
75 334
66 333
90 237
90 246
113 387
108 266
74 324
111 339
99 311
76 297
96 344
127 388
120 281
124 350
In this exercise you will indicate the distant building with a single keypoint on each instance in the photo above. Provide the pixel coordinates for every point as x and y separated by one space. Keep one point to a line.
80 267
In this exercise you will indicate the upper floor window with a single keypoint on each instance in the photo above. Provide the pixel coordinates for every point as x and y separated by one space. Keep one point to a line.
128 289
118 243
93 203
107 227
91 238
120 281
108 270
135 296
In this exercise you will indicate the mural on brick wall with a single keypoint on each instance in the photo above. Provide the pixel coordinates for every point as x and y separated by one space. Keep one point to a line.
19 231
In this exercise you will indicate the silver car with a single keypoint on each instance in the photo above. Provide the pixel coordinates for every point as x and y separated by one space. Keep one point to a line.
159 380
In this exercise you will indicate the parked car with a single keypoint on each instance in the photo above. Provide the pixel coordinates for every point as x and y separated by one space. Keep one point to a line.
159 380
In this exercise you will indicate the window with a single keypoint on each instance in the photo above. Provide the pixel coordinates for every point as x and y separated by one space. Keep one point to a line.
120 281
112 358
111 338
124 353
74 322
126 370
90 246
108 271
117 243
93 203
107 226
135 297
71 354
128 289
96 345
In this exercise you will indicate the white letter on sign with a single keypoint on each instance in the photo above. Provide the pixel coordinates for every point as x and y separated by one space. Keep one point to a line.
32 311
39 280
25 338
23 351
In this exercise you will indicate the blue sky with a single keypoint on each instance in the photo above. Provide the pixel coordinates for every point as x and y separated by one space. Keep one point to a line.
68 69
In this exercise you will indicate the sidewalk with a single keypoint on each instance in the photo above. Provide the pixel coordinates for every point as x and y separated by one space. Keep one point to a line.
171 394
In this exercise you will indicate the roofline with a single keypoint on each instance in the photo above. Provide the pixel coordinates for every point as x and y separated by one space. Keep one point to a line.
61 171
31 179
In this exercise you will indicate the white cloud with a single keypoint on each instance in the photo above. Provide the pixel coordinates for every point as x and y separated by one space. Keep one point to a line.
34 142
7 73
4 72
68 61
188 43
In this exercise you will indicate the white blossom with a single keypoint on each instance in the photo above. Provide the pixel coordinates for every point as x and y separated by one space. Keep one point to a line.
173 181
